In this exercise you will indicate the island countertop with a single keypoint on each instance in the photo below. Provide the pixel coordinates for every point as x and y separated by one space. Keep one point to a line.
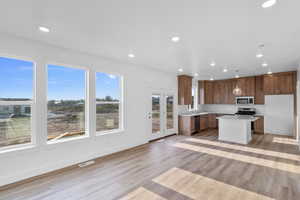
192 114
203 113
239 117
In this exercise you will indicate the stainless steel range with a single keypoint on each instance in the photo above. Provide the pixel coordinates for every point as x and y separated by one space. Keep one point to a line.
246 111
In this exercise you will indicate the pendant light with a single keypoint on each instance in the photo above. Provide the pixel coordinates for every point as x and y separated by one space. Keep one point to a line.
237 91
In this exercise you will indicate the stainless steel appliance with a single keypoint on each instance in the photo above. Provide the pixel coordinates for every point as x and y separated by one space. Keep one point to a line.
245 111
244 100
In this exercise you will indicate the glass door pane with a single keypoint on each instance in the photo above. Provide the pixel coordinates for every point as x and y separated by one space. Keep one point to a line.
156 113
170 112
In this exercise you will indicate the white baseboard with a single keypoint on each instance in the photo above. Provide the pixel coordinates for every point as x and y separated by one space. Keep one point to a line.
12 178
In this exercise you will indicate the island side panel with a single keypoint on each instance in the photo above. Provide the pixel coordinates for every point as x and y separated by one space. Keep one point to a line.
233 130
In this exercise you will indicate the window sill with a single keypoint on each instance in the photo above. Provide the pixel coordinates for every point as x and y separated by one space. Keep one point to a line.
14 148
67 140
101 133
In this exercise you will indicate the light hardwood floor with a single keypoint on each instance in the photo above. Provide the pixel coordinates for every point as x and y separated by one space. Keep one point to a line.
178 167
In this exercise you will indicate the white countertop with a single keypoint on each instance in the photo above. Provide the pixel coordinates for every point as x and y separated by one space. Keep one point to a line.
191 114
204 113
238 117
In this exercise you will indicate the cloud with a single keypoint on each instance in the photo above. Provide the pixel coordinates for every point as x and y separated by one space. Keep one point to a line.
112 76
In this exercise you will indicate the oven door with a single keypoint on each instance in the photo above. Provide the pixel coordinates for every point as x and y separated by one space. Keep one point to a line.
242 101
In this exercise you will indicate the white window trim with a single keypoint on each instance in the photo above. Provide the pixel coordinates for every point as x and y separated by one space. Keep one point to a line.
121 107
166 114
195 97
87 104
32 103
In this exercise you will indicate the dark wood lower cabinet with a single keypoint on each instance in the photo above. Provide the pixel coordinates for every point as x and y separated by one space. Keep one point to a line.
191 124
212 121
186 125
259 125
197 123
203 122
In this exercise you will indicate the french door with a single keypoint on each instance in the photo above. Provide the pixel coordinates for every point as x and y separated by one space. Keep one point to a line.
162 115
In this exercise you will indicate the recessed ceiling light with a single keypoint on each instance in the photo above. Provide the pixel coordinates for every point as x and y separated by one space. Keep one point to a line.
180 70
131 55
175 39
213 63
196 74
269 72
211 79
225 70
259 55
269 3
264 64
44 29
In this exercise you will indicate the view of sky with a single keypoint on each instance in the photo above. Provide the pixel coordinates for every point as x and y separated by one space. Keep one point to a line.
16 78
64 83
107 85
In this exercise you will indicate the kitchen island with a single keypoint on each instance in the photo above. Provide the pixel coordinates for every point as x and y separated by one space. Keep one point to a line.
236 128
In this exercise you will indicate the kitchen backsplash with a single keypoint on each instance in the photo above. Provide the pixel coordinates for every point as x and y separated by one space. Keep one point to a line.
221 108
260 109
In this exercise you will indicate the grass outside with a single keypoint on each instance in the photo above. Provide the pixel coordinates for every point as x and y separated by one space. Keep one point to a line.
15 131
18 130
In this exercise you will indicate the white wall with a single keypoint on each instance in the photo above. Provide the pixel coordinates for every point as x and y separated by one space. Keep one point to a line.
298 106
17 165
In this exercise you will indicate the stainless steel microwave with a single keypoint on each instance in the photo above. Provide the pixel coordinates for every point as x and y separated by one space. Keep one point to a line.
244 100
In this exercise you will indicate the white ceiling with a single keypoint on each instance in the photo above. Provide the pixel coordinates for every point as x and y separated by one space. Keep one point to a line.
227 31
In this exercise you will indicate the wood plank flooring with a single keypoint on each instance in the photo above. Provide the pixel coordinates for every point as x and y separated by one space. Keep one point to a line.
178 167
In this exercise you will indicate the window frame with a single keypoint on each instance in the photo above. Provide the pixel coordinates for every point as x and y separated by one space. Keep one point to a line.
32 103
166 95
121 105
86 99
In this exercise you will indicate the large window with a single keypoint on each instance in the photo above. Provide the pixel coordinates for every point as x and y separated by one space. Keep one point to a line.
108 102
16 101
66 102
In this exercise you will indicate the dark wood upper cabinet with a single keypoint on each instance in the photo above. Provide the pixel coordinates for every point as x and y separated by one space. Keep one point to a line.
221 91
184 90
208 92
247 86
259 90
279 83
217 96
229 87
201 92
287 83
270 82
